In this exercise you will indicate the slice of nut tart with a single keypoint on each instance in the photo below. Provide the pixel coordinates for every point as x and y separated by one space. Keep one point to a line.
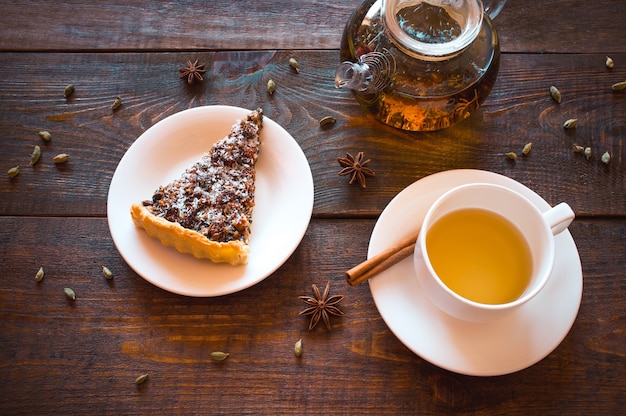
207 212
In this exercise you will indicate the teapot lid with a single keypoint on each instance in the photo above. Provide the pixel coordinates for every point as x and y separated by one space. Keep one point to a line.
433 30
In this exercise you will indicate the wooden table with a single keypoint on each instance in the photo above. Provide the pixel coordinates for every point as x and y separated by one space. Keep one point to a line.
83 357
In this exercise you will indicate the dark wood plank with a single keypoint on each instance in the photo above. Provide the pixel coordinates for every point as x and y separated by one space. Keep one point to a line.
552 26
83 357
519 110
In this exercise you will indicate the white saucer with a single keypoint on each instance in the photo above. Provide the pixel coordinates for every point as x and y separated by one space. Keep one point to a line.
284 201
481 349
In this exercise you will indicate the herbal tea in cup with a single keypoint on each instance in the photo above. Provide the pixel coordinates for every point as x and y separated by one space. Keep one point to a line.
484 250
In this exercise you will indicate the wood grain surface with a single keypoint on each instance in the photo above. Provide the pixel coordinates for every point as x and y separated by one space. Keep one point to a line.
82 357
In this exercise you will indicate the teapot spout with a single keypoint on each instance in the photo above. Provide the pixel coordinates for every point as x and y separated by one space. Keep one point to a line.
371 74
354 76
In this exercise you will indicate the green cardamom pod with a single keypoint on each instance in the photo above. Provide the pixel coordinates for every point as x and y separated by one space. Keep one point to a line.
219 355
271 86
40 274
45 136
294 64
609 62
107 273
526 149
555 93
587 152
297 349
570 124
13 172
619 86
606 158
69 90
578 149
34 157
117 103
141 379
69 293
61 158
327 121
511 155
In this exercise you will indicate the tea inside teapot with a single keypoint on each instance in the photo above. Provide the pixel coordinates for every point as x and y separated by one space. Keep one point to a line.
428 23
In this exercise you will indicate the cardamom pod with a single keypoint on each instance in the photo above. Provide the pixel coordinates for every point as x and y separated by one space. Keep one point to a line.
61 158
325 121
587 152
69 90
619 86
526 149
117 103
511 155
609 62
34 157
69 293
45 136
40 274
606 158
578 149
271 86
13 172
297 349
570 124
219 355
141 379
555 93
294 64
107 273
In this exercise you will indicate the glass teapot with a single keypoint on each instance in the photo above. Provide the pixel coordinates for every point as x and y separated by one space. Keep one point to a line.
420 65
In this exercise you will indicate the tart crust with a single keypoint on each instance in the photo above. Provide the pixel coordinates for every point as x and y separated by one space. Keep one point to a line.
189 241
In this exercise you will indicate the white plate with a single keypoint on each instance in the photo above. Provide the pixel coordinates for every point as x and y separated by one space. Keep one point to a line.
481 349
284 201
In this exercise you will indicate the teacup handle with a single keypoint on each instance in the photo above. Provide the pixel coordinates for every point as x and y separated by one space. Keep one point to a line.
493 7
559 217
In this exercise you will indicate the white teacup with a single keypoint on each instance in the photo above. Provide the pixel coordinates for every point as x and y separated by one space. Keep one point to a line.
484 250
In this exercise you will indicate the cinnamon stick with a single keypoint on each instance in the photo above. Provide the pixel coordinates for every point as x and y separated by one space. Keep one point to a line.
382 261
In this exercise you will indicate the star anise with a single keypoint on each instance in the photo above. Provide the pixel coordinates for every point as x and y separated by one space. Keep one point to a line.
355 167
193 72
321 306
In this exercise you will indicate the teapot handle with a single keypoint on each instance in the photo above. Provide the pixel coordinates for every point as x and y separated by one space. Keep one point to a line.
493 7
